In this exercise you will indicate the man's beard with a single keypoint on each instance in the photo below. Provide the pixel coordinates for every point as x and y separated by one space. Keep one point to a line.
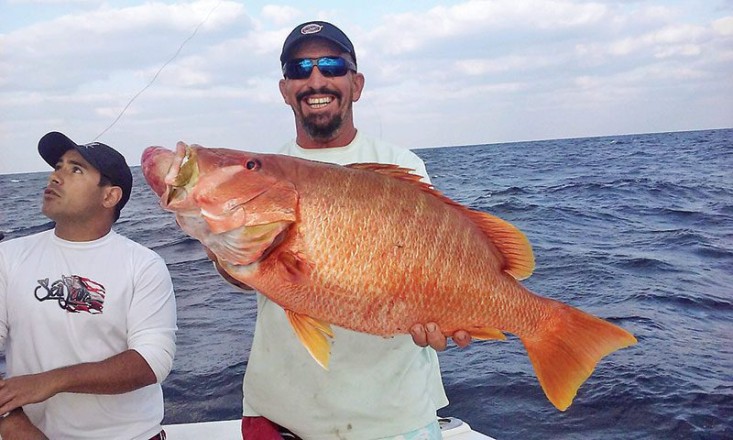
316 127
322 131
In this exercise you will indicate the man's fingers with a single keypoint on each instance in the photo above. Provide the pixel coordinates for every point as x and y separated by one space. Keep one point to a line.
430 334
462 338
418 335
436 338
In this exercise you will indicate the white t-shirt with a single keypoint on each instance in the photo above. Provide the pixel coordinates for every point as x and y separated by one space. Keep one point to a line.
64 303
375 387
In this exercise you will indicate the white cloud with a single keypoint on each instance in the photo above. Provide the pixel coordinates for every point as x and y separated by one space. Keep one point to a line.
438 73
281 15
724 26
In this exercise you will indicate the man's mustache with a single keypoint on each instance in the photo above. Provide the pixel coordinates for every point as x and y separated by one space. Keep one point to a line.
322 91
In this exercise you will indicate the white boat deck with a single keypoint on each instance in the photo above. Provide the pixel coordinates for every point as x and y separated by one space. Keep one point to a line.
452 428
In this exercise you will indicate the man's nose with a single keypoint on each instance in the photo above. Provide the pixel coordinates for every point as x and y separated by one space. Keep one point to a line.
317 79
54 177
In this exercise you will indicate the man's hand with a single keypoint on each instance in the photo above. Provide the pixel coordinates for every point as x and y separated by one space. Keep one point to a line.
17 426
430 334
21 390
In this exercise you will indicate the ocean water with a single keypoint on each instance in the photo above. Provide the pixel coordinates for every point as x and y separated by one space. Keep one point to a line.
636 229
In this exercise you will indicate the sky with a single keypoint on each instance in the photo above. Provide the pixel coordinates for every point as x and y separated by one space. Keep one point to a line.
137 73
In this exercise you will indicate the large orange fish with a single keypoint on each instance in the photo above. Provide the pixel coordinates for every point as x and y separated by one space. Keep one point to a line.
371 248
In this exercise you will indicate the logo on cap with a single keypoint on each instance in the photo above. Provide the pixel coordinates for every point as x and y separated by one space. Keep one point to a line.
311 28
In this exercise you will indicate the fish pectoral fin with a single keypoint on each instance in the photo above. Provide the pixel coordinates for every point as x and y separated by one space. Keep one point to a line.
314 334
487 333
296 268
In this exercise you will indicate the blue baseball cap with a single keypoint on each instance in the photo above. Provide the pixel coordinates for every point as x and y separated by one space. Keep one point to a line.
108 161
316 29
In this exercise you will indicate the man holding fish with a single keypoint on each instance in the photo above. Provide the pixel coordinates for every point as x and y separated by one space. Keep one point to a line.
378 388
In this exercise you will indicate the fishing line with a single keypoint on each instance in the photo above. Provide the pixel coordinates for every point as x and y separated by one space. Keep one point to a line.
150 83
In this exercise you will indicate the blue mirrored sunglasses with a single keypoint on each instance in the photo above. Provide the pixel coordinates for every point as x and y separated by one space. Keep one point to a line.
301 68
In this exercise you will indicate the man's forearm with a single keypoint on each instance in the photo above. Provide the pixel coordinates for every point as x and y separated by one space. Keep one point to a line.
118 374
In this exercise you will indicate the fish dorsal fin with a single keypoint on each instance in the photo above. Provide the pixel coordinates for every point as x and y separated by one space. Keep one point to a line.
314 334
508 239
390 170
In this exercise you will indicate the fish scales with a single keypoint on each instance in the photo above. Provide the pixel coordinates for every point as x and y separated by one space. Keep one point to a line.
390 254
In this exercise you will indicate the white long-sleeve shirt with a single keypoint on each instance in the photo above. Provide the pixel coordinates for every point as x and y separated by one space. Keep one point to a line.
64 303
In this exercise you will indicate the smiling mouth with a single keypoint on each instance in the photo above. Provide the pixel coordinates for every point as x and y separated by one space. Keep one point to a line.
316 103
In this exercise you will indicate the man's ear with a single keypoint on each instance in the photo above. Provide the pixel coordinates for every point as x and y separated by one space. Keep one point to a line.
112 196
357 84
283 90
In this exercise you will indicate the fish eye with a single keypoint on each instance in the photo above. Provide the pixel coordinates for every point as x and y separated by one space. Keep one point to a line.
253 164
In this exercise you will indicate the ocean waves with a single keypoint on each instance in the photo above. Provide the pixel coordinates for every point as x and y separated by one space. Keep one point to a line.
637 229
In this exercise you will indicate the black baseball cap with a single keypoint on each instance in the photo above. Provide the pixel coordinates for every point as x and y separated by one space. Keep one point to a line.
316 29
108 161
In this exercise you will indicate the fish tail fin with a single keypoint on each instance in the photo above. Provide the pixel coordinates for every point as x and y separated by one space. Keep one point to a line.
566 348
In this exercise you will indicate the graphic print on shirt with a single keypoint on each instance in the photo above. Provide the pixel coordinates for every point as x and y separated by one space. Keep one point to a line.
73 293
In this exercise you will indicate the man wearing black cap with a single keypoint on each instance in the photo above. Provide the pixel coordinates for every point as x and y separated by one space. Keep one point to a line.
87 316
375 387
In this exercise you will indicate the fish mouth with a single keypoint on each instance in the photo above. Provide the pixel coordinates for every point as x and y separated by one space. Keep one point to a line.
155 163
171 175
182 174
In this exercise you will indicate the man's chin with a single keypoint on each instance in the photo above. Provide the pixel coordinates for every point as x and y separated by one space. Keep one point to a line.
322 129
